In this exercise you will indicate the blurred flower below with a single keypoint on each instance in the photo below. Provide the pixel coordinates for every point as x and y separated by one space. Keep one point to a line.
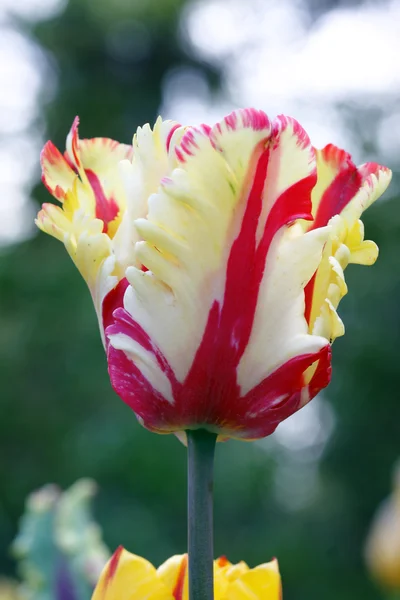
130 577
382 551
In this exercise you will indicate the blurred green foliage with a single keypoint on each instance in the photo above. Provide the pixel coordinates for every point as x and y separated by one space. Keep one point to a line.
60 420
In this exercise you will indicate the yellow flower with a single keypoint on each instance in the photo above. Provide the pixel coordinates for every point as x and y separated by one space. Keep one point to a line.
215 257
382 549
130 577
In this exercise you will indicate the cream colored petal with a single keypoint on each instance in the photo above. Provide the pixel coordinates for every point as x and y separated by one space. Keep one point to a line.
153 159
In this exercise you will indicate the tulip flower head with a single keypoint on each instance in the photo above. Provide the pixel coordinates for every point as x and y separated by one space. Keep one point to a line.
215 259
130 577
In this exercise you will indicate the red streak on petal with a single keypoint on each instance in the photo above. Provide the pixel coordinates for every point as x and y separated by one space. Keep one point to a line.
50 155
371 168
261 414
337 157
243 273
69 161
256 119
337 196
113 300
75 141
222 561
123 323
213 372
171 133
106 208
342 189
59 193
179 155
231 120
227 333
205 129
347 182
322 375
188 142
178 589
113 564
136 391
308 297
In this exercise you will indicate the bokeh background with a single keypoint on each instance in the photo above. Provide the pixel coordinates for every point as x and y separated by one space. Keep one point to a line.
307 493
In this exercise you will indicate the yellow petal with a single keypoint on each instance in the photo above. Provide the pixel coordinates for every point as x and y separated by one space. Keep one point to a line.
232 572
174 574
261 583
52 220
361 252
130 577
328 324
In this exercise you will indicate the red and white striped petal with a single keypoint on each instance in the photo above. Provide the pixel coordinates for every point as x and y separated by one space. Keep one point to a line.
96 161
90 169
344 189
342 193
280 331
192 334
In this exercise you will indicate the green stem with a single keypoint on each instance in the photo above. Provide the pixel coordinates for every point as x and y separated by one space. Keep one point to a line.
201 448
